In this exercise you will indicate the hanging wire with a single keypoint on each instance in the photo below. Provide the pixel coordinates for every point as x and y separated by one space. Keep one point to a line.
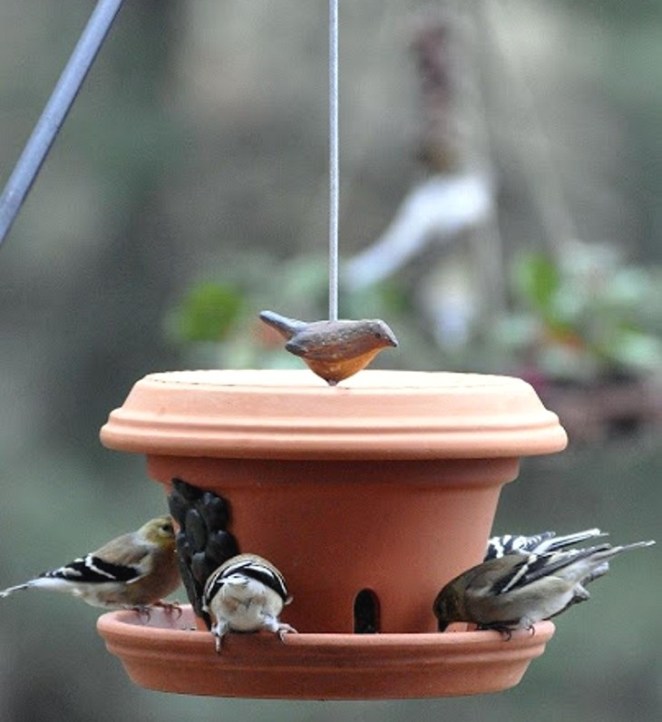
54 114
334 173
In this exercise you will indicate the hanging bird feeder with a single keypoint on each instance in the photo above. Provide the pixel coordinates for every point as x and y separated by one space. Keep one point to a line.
368 495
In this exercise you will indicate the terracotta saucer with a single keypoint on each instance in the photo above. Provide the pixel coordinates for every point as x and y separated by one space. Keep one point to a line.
168 654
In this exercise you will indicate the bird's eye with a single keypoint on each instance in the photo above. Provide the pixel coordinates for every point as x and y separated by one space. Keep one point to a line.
377 334
167 528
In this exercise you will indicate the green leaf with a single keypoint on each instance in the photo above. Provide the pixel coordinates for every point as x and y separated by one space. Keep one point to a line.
537 280
208 312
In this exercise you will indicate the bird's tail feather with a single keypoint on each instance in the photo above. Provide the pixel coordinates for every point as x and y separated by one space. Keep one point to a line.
10 590
287 327
566 540
597 563
612 551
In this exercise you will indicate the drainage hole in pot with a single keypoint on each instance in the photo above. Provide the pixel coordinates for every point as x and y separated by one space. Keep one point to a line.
366 612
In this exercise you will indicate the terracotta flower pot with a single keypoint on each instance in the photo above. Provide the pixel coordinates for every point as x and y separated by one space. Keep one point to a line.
368 497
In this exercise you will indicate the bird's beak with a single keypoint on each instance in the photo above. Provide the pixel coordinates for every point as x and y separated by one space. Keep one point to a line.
391 340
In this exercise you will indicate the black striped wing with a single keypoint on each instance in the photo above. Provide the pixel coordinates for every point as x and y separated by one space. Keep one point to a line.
91 569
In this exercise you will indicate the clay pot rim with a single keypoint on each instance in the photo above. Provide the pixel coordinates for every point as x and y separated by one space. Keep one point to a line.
132 626
303 382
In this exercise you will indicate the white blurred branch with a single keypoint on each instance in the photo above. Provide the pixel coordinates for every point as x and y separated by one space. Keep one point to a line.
435 211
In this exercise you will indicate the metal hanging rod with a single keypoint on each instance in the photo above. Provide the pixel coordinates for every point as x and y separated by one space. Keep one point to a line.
54 114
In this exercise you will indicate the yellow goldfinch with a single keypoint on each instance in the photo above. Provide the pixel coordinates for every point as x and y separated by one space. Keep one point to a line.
246 594
546 541
135 570
516 591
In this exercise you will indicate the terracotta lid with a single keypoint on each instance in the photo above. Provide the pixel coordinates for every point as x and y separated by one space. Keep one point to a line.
292 414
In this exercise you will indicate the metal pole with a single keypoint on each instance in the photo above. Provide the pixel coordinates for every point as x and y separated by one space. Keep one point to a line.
54 114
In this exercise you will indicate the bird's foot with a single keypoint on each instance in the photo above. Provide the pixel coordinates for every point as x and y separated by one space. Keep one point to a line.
143 611
219 630
284 629
531 629
273 624
170 607
504 630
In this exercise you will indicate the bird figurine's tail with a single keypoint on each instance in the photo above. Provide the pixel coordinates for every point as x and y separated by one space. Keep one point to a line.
285 326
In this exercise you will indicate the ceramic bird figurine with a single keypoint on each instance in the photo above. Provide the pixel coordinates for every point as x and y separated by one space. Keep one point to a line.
516 591
334 350
246 594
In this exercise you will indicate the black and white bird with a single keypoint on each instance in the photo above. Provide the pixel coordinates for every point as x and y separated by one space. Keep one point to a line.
516 591
546 541
246 594
134 570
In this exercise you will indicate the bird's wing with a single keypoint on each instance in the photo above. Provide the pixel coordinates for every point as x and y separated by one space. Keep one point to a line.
498 546
323 344
537 566
270 577
124 559
256 568
296 347
92 569
546 541
489 578
549 541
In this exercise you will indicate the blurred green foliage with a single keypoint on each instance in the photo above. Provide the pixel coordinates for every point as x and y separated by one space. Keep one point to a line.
584 316
217 321
208 313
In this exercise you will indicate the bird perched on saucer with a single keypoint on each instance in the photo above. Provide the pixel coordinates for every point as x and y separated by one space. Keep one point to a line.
516 591
334 350
546 541
135 570
246 594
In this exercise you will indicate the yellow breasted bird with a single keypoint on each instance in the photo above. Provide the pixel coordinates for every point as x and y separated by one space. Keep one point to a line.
515 591
135 570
